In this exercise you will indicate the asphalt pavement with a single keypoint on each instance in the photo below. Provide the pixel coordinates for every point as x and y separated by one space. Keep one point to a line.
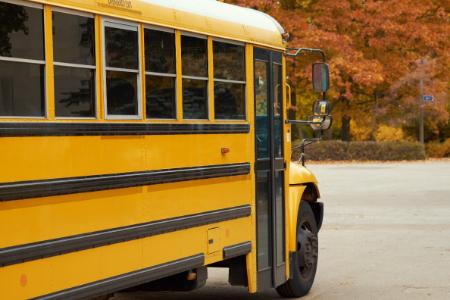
386 235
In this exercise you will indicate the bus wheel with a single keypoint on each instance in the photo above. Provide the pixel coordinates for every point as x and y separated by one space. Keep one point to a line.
304 260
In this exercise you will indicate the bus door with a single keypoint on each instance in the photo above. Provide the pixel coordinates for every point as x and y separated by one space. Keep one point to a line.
269 168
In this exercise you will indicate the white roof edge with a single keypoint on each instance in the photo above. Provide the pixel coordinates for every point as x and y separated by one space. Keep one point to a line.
223 11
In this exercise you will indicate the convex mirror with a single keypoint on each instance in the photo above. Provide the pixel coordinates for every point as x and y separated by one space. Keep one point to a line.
321 119
321 108
321 122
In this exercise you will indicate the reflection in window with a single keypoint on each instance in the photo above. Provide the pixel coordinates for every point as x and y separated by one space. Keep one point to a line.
122 69
195 97
121 48
74 55
261 109
229 102
122 93
229 61
22 31
74 92
73 39
21 82
159 51
278 108
194 54
160 97
160 74
229 81
21 89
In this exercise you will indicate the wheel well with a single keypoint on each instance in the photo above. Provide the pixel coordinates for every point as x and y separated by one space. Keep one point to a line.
310 195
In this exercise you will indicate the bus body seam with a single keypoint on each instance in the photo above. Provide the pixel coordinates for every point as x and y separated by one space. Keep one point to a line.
71 185
49 248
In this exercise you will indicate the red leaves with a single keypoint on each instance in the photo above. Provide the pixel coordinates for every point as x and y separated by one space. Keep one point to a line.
372 46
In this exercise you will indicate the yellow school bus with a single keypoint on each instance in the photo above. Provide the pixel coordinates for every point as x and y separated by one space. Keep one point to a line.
142 141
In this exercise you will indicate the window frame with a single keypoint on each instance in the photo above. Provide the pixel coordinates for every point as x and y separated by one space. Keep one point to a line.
124 25
174 75
79 66
242 82
208 96
31 61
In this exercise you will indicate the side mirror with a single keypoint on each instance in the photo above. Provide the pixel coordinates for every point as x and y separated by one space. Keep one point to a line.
321 123
321 77
321 108
321 119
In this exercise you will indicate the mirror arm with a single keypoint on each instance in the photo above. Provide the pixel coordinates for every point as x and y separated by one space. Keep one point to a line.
293 52
306 122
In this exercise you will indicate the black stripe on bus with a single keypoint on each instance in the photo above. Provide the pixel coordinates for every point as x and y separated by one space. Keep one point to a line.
127 280
49 248
94 129
63 186
237 250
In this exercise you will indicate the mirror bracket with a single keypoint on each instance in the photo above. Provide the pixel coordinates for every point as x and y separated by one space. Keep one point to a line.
293 52
303 144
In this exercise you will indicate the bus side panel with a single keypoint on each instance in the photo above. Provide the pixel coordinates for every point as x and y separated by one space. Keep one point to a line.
43 276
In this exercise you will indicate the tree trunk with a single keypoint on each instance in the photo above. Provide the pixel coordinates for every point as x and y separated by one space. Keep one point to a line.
345 129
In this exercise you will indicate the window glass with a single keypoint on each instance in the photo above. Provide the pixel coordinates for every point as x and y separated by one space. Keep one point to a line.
195 99
159 51
121 48
161 78
277 109
228 102
21 31
122 93
229 61
21 89
74 92
73 39
122 70
160 97
194 54
74 43
229 81
262 109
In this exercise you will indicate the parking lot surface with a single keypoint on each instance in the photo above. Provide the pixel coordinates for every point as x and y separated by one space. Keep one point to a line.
386 235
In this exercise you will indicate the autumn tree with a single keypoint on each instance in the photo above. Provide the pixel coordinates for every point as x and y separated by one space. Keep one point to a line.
376 52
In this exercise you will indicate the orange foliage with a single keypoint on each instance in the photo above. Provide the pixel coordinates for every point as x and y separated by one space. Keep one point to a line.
377 51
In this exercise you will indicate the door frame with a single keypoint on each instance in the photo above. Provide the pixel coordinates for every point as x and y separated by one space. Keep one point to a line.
274 275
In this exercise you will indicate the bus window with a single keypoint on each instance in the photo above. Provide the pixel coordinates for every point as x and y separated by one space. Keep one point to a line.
22 62
229 81
122 70
194 54
74 56
160 73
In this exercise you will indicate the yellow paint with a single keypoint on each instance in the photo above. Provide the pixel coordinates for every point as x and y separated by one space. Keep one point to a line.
293 205
210 80
49 69
300 175
214 240
179 76
143 76
64 271
99 67
147 13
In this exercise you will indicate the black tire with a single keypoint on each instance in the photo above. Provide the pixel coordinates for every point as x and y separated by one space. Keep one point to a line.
304 262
